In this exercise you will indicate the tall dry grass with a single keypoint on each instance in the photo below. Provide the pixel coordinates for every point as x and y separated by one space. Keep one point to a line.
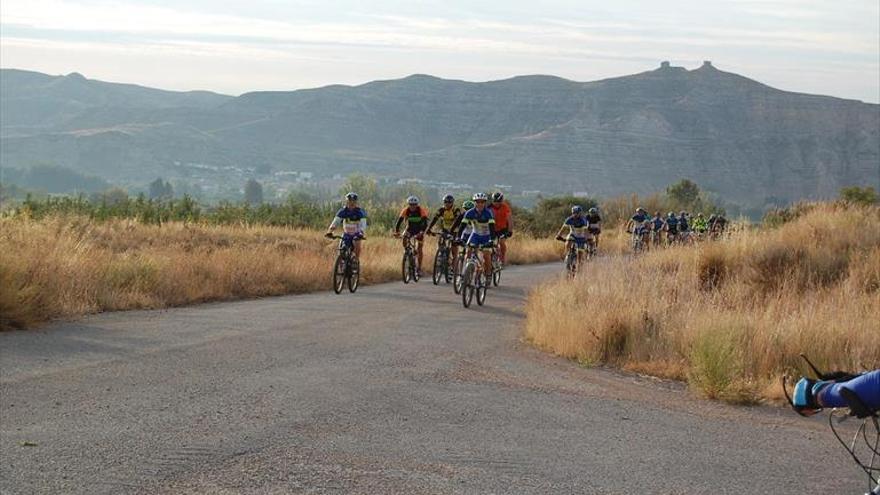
729 317
66 266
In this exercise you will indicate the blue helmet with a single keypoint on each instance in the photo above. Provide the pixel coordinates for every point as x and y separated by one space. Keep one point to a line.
576 209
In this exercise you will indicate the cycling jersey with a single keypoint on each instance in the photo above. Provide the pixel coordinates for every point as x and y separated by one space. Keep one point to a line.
482 224
672 225
353 220
502 212
639 218
446 216
657 222
683 223
866 387
416 220
700 224
593 219
577 226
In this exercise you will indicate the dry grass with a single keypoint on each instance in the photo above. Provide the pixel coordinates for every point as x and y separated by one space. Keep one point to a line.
729 317
64 267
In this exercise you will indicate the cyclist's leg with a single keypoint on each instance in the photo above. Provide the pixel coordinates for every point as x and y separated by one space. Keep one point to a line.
357 248
502 249
420 241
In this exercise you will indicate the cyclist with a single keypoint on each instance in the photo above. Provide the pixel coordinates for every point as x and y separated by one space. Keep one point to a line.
482 223
447 215
700 224
595 222
638 224
461 230
353 220
717 224
578 230
503 223
810 396
671 227
684 228
416 223
657 224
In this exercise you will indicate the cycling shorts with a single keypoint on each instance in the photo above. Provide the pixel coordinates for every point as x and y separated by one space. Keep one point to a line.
580 242
480 241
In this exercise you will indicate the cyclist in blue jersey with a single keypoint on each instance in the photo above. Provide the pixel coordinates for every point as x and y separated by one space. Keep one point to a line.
482 224
578 230
639 223
657 224
810 396
353 220
671 227
460 229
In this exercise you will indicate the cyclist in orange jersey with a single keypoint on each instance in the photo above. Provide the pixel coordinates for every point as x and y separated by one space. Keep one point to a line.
503 223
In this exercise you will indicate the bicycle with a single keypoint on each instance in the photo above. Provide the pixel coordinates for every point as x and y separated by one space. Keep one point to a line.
441 258
858 410
409 266
570 260
497 266
638 239
472 279
346 268
458 267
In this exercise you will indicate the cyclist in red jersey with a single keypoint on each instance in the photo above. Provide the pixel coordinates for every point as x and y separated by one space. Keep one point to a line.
503 223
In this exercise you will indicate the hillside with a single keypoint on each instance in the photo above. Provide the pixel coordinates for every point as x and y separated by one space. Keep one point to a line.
733 135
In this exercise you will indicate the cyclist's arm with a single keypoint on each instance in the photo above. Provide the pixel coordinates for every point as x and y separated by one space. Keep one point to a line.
362 225
434 220
335 223
397 225
866 387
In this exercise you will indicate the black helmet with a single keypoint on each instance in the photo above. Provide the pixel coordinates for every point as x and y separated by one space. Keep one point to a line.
448 199
497 196
352 196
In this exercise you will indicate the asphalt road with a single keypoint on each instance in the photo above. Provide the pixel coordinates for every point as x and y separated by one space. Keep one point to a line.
395 389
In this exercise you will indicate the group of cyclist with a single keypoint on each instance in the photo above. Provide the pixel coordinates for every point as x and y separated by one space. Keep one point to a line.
477 224
672 228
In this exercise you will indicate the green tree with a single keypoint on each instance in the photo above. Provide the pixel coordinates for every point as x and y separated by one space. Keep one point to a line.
684 193
859 195
253 192
161 190
365 186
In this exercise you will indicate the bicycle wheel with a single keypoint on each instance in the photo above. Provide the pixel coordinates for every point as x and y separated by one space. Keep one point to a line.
354 274
457 268
339 273
496 273
406 267
447 269
467 285
481 290
414 268
571 264
438 267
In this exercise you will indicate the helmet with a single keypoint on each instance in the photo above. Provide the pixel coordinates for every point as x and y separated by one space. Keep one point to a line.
657 213
700 215
468 204
480 197
448 199
593 211
497 196
352 196
412 200
640 210
576 209
683 213
712 217
670 214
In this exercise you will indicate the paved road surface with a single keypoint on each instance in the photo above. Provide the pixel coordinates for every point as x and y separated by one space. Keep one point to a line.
396 389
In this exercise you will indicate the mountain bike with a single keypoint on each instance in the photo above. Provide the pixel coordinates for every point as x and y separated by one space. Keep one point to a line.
409 265
638 239
497 266
442 265
591 247
868 431
472 279
458 267
571 258
346 268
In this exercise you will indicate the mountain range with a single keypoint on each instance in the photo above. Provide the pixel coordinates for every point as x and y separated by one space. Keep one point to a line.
739 138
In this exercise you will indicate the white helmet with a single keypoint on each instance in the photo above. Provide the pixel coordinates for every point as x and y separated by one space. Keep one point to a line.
412 200
481 197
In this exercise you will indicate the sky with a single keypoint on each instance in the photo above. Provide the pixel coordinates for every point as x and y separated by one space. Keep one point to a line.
812 46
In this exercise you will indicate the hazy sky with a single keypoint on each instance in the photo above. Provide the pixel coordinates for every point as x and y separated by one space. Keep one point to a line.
826 47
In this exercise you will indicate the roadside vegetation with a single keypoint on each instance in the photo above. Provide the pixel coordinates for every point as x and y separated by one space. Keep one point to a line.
729 317
63 266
